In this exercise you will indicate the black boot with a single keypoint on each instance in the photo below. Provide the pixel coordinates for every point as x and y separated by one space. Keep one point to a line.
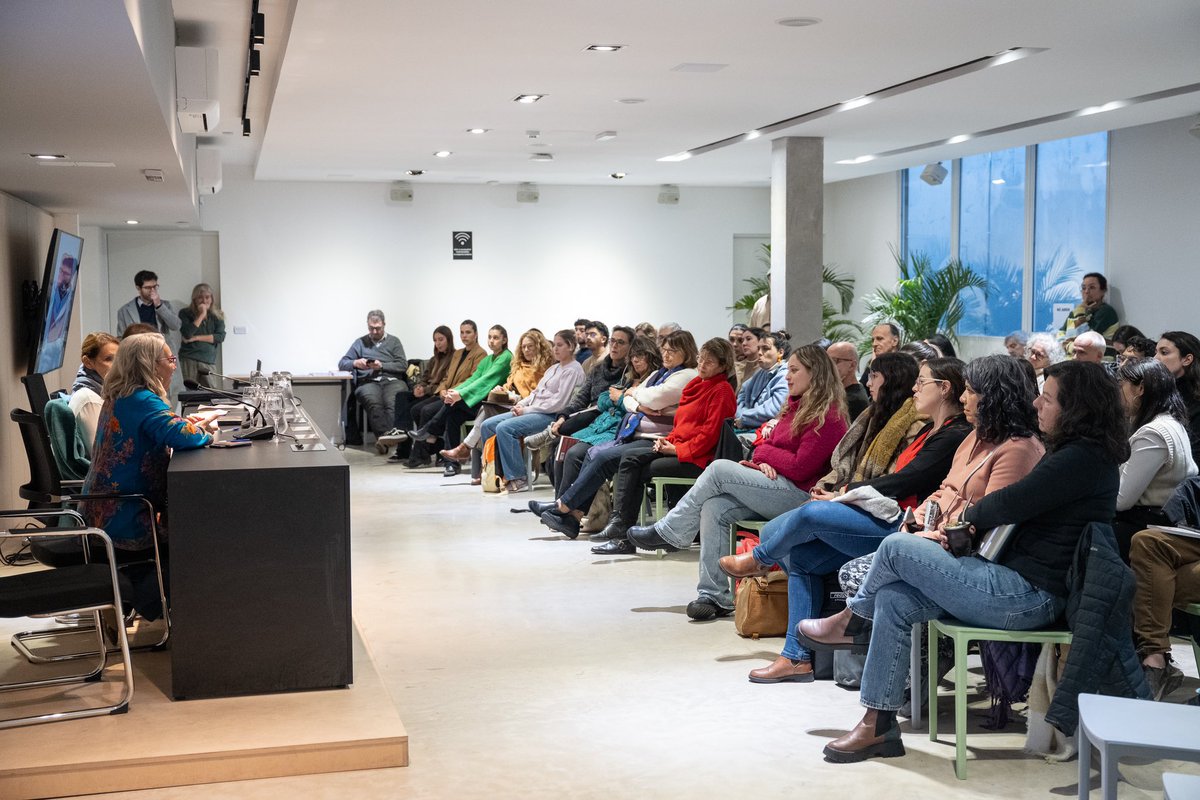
615 529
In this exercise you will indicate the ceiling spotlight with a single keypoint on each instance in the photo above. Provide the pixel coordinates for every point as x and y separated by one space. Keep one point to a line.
255 63
616 176
604 136
131 222
246 127
934 174
478 130
797 22
443 154
528 98
414 172
47 156
258 30
604 48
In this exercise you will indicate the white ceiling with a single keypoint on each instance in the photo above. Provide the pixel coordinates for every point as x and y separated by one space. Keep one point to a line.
365 90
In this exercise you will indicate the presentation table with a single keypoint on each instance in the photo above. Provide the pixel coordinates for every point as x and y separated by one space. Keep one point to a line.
259 542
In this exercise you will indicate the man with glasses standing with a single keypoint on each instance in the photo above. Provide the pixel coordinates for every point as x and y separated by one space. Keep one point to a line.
150 309
845 362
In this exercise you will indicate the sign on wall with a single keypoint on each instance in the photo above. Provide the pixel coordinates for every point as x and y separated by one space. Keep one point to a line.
463 246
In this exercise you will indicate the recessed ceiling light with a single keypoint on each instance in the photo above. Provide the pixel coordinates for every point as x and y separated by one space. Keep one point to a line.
541 157
617 176
752 135
604 48
859 160
604 136
478 130
684 156
528 98
443 154
797 22
47 156
631 101
962 137
857 102
131 222
414 172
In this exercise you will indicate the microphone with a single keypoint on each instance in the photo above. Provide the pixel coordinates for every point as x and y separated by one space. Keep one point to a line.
232 380
192 386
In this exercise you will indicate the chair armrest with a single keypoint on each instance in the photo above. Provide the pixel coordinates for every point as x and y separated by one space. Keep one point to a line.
31 513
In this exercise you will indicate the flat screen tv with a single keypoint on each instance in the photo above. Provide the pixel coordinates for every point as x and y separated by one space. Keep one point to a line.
53 316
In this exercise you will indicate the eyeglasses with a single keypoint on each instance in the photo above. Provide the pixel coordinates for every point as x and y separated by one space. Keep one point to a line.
923 382
171 359
666 350
844 360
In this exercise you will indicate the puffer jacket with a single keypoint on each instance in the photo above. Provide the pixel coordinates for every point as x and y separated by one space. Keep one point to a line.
1102 658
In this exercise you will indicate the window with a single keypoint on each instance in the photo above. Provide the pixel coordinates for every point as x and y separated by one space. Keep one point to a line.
988 232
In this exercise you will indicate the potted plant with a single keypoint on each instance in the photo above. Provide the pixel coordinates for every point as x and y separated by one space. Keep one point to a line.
926 300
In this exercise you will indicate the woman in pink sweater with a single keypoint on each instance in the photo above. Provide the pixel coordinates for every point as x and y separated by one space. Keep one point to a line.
793 456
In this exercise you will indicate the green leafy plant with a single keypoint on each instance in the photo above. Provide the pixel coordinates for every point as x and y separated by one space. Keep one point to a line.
833 326
926 300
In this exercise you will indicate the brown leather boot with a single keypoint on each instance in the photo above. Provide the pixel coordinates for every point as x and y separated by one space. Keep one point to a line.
784 670
876 735
460 453
830 633
742 565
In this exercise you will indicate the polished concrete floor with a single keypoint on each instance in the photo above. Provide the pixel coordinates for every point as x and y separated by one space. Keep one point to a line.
523 666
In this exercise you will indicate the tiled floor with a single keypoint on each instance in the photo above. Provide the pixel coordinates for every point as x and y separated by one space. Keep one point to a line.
523 666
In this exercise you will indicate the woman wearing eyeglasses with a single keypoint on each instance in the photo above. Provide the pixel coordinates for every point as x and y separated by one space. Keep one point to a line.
136 433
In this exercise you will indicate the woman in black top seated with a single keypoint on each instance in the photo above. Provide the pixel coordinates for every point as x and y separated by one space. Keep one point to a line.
914 579
1179 351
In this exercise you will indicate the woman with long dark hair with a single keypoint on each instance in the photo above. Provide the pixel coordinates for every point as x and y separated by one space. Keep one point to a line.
1179 352
915 579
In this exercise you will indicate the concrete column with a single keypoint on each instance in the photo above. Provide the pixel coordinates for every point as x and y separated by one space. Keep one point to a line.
797 235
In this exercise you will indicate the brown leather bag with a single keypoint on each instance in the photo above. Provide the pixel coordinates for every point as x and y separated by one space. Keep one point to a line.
762 606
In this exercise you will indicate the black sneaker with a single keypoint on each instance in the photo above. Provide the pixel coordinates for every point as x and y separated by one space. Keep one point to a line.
566 524
451 469
702 609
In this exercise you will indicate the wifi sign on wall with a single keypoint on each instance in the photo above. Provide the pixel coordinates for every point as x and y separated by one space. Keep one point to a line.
463 246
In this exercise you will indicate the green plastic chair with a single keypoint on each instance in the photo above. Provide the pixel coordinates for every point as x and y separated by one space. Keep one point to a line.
660 502
755 525
962 635
1194 610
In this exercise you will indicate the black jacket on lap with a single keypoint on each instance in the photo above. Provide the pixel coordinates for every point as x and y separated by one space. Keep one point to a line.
602 376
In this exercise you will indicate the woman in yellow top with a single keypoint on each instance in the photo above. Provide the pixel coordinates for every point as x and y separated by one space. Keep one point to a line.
530 362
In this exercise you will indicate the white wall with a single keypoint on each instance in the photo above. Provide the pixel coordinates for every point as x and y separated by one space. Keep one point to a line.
862 218
1154 226
302 263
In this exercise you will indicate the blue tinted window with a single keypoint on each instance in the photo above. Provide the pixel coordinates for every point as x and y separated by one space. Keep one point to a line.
1070 205
991 239
927 217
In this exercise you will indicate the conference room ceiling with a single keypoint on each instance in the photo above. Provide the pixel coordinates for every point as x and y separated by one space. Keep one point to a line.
366 90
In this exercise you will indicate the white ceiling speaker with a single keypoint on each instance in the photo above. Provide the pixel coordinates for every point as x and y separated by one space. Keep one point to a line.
527 193
401 192
668 194
934 174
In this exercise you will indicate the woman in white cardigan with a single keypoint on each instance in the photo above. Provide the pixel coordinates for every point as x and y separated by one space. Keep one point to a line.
1160 457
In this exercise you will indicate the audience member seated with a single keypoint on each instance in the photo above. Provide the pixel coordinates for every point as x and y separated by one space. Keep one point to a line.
646 329
136 328
530 362
818 537
683 453
1137 347
1167 567
761 397
1160 452
136 434
921 351
1092 313
463 364
608 372
1121 337
914 578
99 350
845 361
665 330
603 425
596 336
1015 343
792 455
424 390
1042 351
941 343
650 412
584 352
1089 346
460 403
885 338
1179 351
744 365
533 413
380 376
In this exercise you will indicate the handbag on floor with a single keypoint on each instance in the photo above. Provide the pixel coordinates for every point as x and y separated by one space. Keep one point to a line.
492 482
761 606
599 511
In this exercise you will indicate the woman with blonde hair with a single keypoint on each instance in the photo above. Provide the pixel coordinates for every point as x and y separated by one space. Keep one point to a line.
792 454
530 362
202 328
137 432
98 352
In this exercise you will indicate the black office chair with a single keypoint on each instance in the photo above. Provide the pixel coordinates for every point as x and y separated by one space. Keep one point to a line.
82 588
46 491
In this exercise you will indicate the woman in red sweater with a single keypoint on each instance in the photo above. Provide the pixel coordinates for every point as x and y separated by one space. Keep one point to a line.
793 456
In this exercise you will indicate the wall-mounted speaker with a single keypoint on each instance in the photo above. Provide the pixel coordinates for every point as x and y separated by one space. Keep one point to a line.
401 192
668 194
527 193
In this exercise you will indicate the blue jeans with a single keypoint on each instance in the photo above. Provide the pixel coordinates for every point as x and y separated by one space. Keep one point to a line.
971 589
509 430
725 493
810 542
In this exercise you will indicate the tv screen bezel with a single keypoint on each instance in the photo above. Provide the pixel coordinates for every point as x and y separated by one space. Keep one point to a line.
54 254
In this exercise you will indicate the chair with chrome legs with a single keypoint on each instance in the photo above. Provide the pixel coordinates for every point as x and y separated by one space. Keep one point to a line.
88 587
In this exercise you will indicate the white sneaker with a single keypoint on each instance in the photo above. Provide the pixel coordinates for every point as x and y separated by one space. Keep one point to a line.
394 436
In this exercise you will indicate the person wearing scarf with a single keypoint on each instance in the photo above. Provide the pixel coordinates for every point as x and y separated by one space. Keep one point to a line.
99 350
